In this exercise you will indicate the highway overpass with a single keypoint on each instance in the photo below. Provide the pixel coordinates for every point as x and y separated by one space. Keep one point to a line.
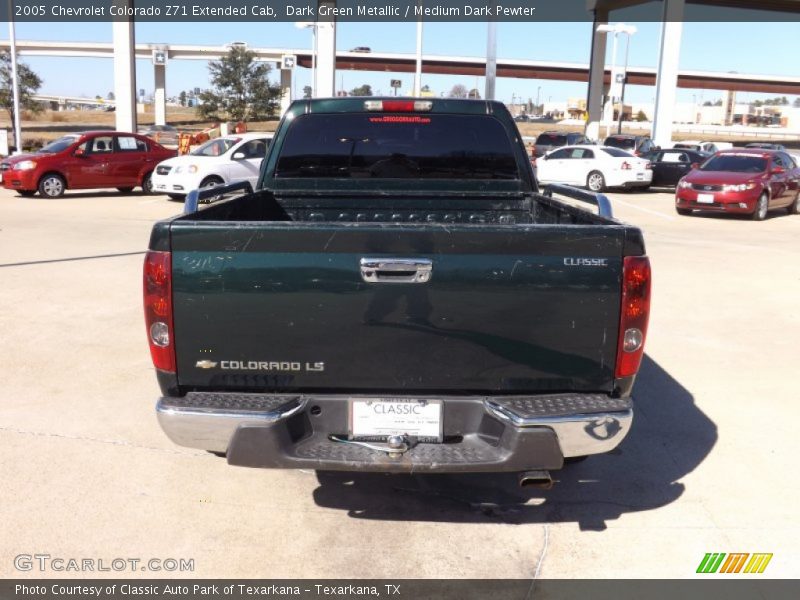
433 64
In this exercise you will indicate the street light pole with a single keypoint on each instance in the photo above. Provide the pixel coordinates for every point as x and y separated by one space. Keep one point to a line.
14 77
608 112
313 27
491 59
624 81
314 62
538 91
609 116
418 71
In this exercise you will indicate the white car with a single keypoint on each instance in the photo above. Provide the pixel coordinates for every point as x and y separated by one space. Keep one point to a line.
595 167
700 146
217 162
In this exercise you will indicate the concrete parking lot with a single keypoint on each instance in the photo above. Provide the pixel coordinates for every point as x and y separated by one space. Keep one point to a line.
87 473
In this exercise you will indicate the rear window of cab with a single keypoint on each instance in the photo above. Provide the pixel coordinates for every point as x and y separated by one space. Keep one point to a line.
397 146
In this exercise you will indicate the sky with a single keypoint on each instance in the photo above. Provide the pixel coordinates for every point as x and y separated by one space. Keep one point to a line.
768 48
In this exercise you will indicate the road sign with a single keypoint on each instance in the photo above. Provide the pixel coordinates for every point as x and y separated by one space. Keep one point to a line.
159 57
396 83
288 61
617 79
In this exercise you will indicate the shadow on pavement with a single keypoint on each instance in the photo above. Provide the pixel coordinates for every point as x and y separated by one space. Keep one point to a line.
669 439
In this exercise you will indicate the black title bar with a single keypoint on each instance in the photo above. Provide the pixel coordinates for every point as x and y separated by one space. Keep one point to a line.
187 11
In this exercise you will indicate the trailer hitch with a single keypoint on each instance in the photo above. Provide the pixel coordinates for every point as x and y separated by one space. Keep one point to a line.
395 447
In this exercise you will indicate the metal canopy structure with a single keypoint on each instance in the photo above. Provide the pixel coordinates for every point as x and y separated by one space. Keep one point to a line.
431 64
668 77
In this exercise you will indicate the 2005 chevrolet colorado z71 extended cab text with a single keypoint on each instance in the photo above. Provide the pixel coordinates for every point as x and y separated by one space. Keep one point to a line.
397 295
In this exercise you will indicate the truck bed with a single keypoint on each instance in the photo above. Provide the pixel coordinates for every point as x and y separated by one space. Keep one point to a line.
276 284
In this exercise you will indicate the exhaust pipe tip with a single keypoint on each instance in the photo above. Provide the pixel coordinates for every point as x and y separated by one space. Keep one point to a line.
537 479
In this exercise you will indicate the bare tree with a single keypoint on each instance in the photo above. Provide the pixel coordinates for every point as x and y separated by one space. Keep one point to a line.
458 91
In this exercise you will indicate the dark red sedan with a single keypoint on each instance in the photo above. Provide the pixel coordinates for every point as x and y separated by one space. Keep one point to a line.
741 180
95 159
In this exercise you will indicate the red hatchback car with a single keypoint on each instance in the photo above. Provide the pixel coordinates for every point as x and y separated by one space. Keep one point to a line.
95 159
741 180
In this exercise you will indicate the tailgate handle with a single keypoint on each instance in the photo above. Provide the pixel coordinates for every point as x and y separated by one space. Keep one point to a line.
396 270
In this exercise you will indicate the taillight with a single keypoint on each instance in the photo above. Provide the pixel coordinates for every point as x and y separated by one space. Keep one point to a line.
634 315
626 166
158 309
398 105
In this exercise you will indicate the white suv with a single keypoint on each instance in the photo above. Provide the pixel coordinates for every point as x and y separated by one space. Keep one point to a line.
219 161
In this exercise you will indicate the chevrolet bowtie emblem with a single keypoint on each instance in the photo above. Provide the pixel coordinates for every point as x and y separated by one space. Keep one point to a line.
205 364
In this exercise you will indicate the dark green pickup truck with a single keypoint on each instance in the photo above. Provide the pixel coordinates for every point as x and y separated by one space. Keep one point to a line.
397 295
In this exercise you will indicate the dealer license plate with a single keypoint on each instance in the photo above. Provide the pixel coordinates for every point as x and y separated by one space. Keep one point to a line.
375 419
705 198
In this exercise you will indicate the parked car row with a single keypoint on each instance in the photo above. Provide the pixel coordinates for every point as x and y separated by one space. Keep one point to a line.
110 159
550 140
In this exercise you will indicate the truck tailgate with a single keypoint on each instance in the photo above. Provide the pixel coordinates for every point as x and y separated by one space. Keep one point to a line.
285 306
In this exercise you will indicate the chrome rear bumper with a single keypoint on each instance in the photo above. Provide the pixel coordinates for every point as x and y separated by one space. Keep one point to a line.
578 435
498 433
212 428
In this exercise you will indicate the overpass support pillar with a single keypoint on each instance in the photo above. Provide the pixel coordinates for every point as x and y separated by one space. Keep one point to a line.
160 95
597 69
124 74
286 89
326 54
667 74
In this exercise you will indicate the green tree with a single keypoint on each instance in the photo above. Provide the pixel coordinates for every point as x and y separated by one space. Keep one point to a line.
362 90
28 82
474 93
797 102
182 98
641 116
307 91
241 90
